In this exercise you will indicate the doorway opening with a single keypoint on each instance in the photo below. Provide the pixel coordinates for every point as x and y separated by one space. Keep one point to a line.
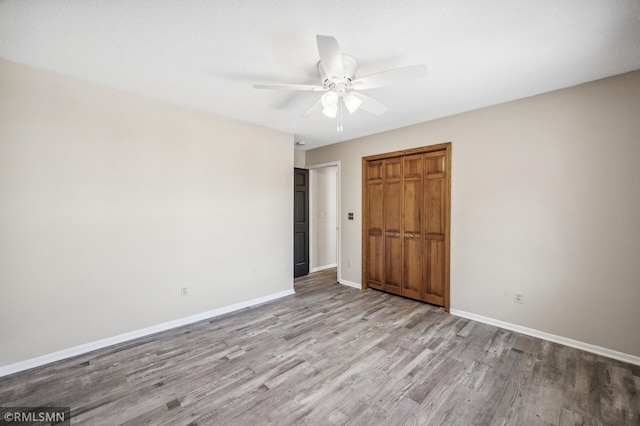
324 217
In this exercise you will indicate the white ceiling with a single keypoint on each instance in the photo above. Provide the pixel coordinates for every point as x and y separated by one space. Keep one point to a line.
207 53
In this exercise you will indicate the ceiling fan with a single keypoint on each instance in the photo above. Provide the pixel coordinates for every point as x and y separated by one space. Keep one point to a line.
337 73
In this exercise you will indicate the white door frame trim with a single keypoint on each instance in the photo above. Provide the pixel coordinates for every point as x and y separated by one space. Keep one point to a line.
338 223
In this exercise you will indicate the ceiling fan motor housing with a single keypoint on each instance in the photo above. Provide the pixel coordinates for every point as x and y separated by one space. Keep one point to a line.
350 68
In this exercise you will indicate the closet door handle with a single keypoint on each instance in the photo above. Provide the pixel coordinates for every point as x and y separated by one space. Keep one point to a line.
390 234
411 235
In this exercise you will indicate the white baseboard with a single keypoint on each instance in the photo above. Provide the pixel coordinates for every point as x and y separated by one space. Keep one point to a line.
103 343
351 284
322 268
587 347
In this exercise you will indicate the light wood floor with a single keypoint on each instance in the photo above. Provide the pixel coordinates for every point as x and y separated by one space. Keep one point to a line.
335 355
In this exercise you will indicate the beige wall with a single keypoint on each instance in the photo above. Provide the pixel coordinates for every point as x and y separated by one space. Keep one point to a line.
299 158
545 200
110 202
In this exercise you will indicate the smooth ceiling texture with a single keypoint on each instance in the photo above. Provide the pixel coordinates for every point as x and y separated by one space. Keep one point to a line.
207 54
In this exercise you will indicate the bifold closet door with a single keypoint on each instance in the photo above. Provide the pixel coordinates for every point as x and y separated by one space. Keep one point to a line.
412 269
392 216
436 202
406 223
374 265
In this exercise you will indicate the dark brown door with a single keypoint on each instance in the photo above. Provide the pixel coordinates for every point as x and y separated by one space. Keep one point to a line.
300 222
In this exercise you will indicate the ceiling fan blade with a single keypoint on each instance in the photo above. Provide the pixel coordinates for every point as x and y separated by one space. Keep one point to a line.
313 109
330 56
369 104
387 78
291 87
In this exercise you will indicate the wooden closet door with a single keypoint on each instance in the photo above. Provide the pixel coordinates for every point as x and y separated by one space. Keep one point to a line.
392 212
374 262
436 202
412 269
406 223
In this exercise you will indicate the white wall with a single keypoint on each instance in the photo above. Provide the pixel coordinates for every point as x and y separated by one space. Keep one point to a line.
110 202
323 217
545 200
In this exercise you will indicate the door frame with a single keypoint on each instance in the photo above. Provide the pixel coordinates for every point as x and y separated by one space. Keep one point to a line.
338 219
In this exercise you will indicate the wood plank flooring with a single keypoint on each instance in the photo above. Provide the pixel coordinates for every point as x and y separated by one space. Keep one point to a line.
329 355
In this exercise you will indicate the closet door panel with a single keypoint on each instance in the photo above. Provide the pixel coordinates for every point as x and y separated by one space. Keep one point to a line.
392 209
435 227
392 206
375 261
375 222
392 240
393 263
412 275
434 208
434 273
413 191
374 171
436 164
375 257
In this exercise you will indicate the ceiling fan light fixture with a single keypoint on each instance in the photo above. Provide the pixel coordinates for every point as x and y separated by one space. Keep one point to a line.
330 104
329 99
330 112
351 102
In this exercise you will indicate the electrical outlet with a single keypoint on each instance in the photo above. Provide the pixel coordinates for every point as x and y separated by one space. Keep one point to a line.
349 264
518 297
184 291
